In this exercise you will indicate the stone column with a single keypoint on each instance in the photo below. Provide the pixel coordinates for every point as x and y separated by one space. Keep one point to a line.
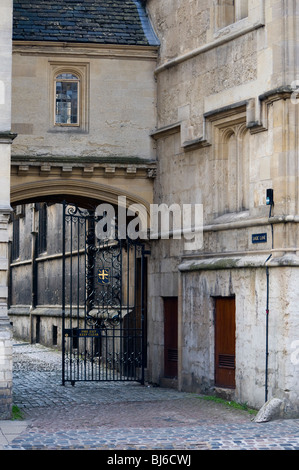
5 329
6 139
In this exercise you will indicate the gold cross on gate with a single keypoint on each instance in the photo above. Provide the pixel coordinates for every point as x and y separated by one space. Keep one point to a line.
103 276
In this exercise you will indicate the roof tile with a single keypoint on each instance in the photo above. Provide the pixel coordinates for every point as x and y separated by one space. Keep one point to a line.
96 21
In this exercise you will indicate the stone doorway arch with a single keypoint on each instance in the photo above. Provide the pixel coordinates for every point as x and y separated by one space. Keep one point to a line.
28 311
72 190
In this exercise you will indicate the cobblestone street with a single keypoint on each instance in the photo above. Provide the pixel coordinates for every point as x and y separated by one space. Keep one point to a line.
127 416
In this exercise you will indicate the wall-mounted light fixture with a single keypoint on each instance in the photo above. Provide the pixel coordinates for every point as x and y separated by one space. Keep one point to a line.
270 202
269 197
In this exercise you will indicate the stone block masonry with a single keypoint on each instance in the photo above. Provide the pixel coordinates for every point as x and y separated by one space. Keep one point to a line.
5 372
6 139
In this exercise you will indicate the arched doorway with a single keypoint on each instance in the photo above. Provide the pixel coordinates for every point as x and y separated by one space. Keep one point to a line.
73 190
55 294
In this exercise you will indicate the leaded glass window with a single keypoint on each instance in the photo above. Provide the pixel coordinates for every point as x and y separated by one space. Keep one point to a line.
67 88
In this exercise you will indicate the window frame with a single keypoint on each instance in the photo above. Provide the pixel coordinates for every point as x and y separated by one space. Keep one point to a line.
81 70
239 8
65 80
228 15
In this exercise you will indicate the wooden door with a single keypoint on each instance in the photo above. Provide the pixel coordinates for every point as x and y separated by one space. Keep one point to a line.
225 327
170 337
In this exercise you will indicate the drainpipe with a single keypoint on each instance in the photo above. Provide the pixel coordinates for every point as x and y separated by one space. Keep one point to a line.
270 203
9 276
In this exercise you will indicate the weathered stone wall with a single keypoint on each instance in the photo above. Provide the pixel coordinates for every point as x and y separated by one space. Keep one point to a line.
39 300
109 154
199 290
226 133
197 283
112 78
5 144
37 325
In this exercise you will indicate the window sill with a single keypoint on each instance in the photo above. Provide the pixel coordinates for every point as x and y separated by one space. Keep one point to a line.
67 130
236 27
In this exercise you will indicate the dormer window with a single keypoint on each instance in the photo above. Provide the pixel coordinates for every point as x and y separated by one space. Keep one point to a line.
67 90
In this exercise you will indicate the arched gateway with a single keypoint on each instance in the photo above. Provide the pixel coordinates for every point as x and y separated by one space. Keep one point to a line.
82 110
72 189
97 304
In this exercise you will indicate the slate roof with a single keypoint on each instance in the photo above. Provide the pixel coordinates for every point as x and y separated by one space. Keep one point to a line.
97 21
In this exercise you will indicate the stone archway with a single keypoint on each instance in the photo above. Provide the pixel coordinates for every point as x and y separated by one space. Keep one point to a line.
41 272
60 189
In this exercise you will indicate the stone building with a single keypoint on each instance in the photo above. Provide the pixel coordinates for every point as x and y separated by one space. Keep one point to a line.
210 108
226 133
6 138
83 107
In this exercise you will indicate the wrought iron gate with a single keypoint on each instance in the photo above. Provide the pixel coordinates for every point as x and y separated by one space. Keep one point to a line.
103 293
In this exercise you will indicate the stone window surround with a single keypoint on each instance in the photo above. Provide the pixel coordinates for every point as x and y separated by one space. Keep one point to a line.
80 69
229 12
255 16
230 151
72 79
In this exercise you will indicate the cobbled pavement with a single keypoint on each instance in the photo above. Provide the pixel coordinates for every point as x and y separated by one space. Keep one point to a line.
128 416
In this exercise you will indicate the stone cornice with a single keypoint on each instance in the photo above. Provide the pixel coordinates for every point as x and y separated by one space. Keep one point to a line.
82 160
239 261
246 107
108 166
85 50
165 131
7 137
